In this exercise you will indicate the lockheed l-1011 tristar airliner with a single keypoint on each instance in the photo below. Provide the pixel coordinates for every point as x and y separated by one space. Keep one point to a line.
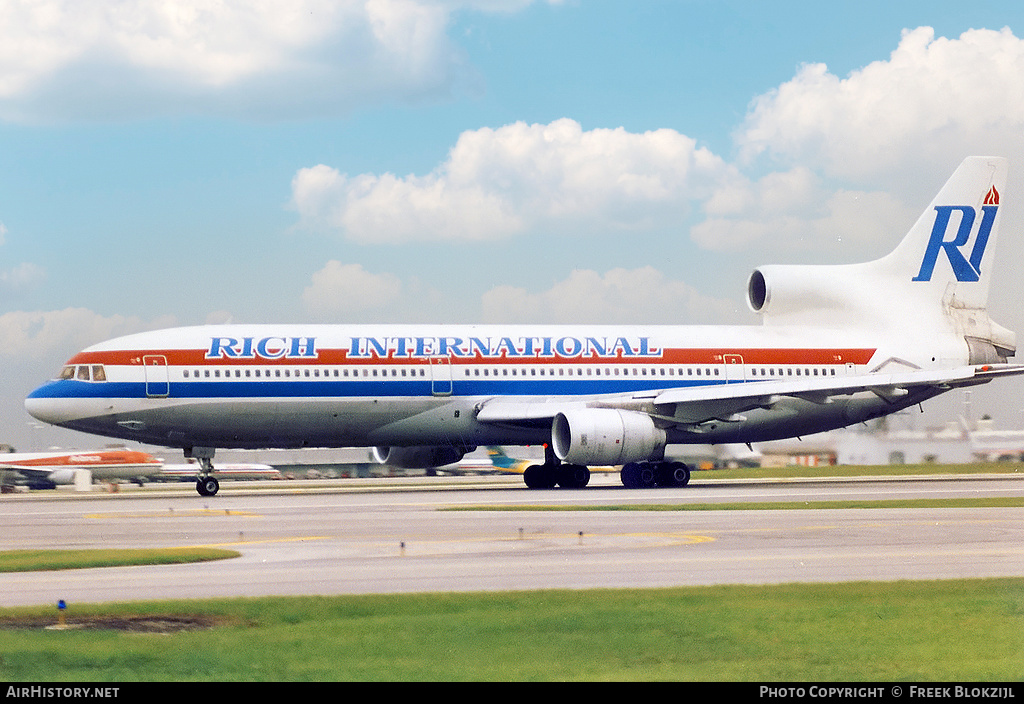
838 345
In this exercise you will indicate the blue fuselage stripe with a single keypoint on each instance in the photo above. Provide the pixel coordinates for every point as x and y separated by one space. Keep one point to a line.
365 389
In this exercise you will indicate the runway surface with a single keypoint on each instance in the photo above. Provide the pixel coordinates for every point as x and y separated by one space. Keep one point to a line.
397 538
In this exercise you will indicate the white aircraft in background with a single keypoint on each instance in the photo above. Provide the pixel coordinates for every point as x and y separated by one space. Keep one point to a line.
45 470
838 345
991 445
232 470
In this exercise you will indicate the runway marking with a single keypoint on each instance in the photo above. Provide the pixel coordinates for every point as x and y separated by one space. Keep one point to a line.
171 513
675 537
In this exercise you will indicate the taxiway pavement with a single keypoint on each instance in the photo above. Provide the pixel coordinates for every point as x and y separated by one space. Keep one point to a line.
395 537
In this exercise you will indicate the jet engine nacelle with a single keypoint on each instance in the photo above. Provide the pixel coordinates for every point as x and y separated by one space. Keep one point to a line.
418 457
605 436
819 292
857 295
62 476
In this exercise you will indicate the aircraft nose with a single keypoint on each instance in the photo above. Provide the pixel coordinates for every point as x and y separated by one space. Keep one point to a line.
43 406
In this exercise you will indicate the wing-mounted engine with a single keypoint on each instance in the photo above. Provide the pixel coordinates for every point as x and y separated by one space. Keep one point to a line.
605 436
418 457
62 476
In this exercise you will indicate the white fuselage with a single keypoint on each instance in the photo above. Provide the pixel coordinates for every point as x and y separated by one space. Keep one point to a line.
332 386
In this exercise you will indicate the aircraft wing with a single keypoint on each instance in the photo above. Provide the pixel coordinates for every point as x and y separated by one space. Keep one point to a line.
26 471
699 404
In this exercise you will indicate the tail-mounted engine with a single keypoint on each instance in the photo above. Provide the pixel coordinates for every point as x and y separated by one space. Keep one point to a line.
814 295
869 297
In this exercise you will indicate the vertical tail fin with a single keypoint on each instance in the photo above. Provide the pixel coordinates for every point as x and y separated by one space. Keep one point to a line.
931 292
945 251
951 249
505 464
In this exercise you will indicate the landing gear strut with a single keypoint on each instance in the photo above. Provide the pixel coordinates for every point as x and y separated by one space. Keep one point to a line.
206 483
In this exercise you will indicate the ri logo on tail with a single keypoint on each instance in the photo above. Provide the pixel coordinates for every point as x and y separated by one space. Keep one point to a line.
965 267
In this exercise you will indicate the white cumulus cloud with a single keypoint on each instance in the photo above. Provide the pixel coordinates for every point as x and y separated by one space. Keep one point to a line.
498 182
795 210
65 59
340 289
934 101
643 295
55 335
19 279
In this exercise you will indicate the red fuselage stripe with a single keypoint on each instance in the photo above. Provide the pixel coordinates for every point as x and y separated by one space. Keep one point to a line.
756 356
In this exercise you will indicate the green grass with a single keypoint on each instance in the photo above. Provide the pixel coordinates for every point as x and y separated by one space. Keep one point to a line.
33 560
957 630
888 470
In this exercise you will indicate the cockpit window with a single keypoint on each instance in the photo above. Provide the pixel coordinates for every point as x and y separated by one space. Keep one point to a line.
83 372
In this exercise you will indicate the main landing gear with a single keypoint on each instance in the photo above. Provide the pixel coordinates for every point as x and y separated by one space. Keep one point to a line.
634 475
548 476
553 473
644 475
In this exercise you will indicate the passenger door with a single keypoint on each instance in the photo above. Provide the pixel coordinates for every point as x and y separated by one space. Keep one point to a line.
158 383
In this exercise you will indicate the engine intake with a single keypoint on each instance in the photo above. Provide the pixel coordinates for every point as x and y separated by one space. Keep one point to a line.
795 290
608 436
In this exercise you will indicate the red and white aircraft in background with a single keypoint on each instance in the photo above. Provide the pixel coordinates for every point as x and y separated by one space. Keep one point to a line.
838 345
45 470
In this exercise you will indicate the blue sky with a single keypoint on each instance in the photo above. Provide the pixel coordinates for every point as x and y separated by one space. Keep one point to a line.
172 163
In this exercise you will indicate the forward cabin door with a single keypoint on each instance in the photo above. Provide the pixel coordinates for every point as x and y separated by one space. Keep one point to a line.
733 368
158 384
441 376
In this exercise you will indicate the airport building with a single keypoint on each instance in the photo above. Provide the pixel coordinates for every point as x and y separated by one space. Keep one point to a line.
882 444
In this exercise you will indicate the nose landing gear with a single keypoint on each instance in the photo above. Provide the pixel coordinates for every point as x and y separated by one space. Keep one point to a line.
207 486
206 483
